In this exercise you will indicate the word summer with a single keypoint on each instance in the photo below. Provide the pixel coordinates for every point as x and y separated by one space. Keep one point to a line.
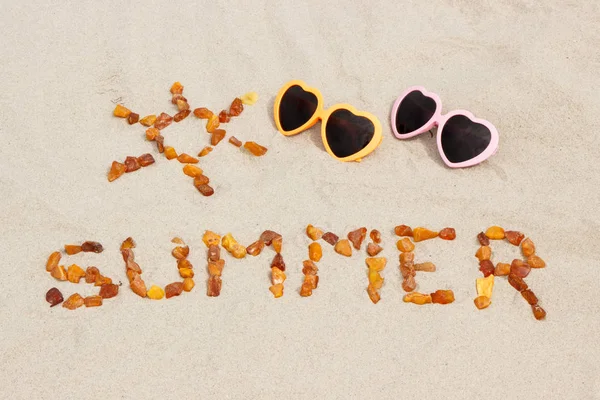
514 272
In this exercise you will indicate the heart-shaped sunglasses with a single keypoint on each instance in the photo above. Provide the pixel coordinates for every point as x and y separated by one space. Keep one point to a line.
462 139
347 134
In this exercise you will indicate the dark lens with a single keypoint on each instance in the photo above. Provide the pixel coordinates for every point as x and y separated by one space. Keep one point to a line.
414 112
297 106
463 139
347 133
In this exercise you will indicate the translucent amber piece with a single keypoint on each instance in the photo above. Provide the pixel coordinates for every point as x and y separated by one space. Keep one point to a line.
238 251
311 280
92 301
212 124
74 301
420 234
186 272
224 117
121 111
442 297
343 247
215 268
188 284
535 262
177 88
529 296
309 268
277 290
315 252
425 267
495 233
502 269
417 298
403 230
184 263
180 252
214 286
146 159
255 148
181 115
54 297
203 113
277 243
211 239
59 273
162 121
201 180
53 261
214 252
236 107
313 232
277 276
278 262
268 237
485 286
235 141
519 268
375 236
133 118
138 286
527 247
102 280
482 302
228 241
255 248
514 237
405 245
487 268
187 159
192 170
155 293
71 249
108 291
75 273
132 164
306 290
249 98
160 143
128 243
375 279
357 237
373 294
409 284
173 289
373 249
376 264
148 120
538 312
483 240
206 190
116 171
330 238
205 151
448 234
217 136
91 274
484 253
152 133
518 283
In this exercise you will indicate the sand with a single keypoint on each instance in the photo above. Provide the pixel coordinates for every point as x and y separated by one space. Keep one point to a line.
530 68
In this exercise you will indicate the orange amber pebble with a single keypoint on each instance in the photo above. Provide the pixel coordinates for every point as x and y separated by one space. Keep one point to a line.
255 148
315 252
181 115
403 230
405 245
529 296
184 263
132 164
448 234
277 276
535 262
203 113
217 136
59 273
373 249
487 268
527 247
71 249
206 190
376 264
313 232
224 117
538 312
236 107
309 268
138 286
205 151
417 298
425 267
343 247
53 261
212 124
442 297
234 141
357 237
146 159
182 105
409 284
214 286
92 247
148 120
102 280
311 280
484 253
188 284
75 273
482 302
54 297
420 234
255 248
495 233
91 274
268 236
187 159
109 291
483 240
277 243
373 294
502 269
74 301
215 268
92 301
170 153
173 289
375 279
201 180
162 121
278 262
133 118
517 282
306 289
375 236
211 239
192 170
121 111
519 268
514 237
330 238
177 88
160 143
180 252
277 290
214 253
152 133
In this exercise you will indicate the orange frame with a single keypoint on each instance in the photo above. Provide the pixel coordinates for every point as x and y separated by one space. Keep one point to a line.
323 115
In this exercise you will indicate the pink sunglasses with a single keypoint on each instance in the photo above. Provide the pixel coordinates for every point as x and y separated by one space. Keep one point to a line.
463 140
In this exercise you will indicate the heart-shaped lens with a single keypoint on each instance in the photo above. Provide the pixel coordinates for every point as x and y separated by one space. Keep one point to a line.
347 133
463 139
296 108
414 111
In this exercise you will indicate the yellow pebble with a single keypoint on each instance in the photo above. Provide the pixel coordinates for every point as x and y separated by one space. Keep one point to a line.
495 233
249 98
155 293
121 111
188 284
228 241
485 286
376 263
186 272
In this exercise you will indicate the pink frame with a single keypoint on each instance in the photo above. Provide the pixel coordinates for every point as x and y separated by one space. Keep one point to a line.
440 120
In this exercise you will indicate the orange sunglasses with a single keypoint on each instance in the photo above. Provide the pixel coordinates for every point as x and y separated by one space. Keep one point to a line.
347 134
